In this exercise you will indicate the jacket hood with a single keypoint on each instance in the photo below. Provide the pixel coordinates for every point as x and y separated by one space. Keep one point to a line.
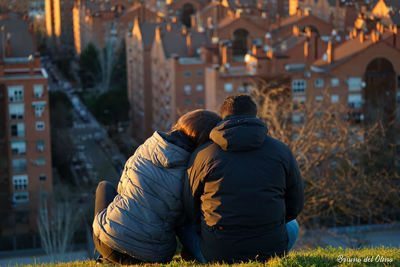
168 150
237 133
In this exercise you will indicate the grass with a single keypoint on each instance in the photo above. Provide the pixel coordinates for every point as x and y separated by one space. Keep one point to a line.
318 257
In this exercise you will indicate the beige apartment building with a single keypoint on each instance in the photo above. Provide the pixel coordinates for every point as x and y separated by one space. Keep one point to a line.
25 127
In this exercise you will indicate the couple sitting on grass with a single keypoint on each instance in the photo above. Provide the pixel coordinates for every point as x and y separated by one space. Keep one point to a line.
228 191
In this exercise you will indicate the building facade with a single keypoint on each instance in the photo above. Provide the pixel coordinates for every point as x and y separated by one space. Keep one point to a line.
25 128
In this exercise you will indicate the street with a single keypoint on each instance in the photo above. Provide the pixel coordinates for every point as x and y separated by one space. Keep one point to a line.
96 156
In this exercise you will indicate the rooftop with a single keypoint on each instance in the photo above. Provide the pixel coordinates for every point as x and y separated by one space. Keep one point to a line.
17 32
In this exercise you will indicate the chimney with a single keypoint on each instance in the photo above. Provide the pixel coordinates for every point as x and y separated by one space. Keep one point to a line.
193 21
209 22
174 19
330 52
225 54
184 30
394 31
298 13
308 32
296 30
278 20
169 27
158 34
362 36
238 13
158 20
256 50
8 48
189 44
307 12
306 49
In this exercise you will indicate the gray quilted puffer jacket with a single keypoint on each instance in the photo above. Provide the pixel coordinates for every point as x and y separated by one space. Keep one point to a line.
141 219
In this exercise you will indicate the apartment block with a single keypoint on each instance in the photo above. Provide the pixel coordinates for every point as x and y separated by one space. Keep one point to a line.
177 74
25 129
106 23
59 25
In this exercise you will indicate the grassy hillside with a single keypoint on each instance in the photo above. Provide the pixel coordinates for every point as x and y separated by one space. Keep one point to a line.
319 257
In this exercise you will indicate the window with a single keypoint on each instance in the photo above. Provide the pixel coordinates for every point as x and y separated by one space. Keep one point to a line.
19 165
298 117
334 82
18 147
299 86
319 83
199 73
40 145
187 88
18 130
42 177
318 98
354 83
228 87
16 111
398 98
20 197
38 90
39 108
200 101
187 73
15 93
188 102
355 100
40 162
40 126
334 98
20 182
240 89
199 87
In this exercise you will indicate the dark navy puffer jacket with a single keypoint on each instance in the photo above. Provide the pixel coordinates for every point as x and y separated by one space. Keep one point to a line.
242 188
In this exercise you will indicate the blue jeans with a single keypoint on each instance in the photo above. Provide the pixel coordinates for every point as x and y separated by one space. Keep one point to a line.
191 239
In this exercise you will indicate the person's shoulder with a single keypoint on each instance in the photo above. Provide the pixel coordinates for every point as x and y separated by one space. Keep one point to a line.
276 144
206 150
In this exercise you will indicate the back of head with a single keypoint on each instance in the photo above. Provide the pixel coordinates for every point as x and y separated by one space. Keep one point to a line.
238 105
197 125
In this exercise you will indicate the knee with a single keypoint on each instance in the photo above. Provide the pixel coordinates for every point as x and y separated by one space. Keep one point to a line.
104 186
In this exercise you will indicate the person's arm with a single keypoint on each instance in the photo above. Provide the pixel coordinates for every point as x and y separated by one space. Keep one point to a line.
192 190
294 197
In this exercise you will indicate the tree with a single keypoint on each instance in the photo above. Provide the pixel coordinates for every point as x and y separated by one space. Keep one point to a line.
90 70
346 182
56 228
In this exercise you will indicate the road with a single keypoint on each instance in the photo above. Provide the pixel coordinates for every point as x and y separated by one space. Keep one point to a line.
97 157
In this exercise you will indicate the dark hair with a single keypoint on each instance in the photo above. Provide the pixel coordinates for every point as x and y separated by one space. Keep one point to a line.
238 105
197 125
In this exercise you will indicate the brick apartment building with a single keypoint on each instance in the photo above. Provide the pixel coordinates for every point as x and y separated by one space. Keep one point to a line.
340 14
59 27
102 23
26 174
177 74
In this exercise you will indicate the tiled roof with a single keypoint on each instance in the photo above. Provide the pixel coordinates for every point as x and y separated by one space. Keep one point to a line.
21 39
331 2
346 50
174 42
288 43
395 18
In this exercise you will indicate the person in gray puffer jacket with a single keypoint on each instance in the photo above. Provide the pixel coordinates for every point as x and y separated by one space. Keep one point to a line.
137 223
